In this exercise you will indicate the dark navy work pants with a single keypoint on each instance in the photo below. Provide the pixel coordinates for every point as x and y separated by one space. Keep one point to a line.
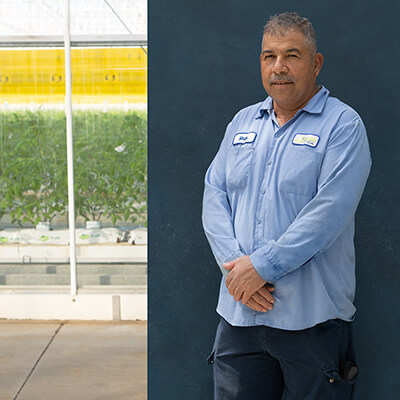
262 363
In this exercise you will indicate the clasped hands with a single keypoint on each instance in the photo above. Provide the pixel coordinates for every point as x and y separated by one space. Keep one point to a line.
246 285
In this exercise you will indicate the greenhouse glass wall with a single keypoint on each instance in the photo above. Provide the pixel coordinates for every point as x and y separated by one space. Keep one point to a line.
109 98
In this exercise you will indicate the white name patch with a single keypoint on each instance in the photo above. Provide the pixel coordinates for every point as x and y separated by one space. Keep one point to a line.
244 137
306 139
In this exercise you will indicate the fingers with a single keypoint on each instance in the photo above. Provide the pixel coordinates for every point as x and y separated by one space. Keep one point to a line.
265 292
255 306
262 300
249 291
246 296
229 265
234 291
243 281
237 294
265 304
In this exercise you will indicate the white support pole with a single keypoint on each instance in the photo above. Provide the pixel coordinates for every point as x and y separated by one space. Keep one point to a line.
70 150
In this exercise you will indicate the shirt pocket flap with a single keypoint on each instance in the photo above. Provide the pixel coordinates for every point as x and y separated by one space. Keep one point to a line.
239 161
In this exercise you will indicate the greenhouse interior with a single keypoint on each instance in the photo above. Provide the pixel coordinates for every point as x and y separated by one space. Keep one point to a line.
73 153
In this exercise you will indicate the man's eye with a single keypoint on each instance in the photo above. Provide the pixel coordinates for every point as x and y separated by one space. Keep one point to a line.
292 55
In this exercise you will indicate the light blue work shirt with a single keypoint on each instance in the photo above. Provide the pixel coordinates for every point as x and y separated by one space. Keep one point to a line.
286 196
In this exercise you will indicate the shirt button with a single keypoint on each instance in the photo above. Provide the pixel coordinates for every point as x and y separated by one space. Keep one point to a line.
331 380
263 191
258 222
269 162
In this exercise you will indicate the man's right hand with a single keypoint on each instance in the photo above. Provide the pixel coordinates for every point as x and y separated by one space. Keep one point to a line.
262 300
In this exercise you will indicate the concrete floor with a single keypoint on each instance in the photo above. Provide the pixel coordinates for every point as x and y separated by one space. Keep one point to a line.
73 360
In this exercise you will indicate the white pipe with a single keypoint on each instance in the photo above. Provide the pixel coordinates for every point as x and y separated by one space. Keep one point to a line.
70 150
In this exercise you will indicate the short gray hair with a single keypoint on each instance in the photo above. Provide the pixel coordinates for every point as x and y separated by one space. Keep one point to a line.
282 23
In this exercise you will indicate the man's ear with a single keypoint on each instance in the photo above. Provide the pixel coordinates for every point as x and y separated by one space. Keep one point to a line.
318 62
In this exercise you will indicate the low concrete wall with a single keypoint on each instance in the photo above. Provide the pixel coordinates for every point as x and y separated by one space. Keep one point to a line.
63 306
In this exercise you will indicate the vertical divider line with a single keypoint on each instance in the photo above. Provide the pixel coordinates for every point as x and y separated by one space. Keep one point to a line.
70 150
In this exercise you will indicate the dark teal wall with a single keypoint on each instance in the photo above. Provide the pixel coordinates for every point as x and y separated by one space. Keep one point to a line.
203 68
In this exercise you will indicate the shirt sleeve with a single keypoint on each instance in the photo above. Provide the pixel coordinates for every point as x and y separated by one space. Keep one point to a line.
344 171
217 212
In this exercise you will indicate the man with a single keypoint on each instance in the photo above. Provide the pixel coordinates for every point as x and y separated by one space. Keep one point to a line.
279 204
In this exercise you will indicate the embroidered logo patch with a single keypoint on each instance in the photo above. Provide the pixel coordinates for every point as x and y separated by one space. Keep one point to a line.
306 139
244 137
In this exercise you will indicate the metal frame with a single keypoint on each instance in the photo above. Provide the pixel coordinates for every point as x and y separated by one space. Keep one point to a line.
67 41
70 151
75 40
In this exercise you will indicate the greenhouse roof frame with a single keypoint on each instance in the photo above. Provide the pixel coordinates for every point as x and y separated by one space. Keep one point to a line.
76 41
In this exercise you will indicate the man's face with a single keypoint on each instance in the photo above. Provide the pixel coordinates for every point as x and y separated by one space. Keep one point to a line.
289 70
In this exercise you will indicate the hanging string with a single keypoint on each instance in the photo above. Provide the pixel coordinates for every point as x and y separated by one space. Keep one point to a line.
123 23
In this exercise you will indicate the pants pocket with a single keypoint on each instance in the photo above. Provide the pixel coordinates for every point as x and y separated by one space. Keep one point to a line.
346 371
210 358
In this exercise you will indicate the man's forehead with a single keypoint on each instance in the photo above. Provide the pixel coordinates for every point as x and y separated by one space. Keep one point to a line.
288 38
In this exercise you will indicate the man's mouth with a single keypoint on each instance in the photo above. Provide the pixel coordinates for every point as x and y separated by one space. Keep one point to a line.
282 83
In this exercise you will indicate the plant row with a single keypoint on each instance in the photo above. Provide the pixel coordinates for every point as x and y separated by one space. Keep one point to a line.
110 166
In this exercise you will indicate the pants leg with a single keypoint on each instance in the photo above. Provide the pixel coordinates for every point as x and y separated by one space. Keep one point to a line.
262 363
312 361
242 369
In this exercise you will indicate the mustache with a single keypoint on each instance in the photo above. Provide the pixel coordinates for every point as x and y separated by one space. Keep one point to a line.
281 78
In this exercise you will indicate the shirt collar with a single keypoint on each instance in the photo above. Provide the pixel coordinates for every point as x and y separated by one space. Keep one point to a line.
314 106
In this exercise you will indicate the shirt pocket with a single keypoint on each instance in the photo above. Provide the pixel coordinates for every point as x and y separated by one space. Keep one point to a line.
239 160
299 170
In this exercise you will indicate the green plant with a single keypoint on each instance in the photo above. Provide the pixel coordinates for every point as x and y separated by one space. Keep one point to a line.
33 166
110 153
111 166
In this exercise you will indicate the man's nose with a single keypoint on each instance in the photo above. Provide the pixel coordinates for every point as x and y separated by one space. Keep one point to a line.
280 66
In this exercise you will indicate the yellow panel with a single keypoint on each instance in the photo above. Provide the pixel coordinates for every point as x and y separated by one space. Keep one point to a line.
38 75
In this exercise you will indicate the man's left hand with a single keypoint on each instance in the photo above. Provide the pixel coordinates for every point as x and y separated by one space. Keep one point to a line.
243 280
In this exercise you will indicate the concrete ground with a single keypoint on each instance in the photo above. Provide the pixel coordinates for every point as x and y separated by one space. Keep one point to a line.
73 360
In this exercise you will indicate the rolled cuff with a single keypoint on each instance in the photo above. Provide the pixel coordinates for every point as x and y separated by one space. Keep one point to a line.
263 263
